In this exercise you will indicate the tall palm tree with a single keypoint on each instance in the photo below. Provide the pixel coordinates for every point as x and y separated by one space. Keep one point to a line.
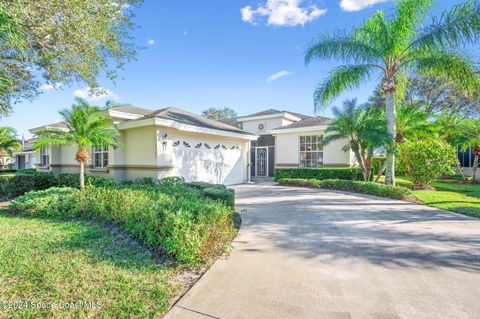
364 129
394 46
8 141
471 138
87 127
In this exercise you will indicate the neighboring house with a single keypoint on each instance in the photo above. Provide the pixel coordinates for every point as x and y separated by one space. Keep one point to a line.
290 140
27 157
166 142
466 160
5 160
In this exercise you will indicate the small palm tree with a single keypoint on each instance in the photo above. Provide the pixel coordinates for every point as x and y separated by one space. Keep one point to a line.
394 46
364 129
471 138
8 141
87 127
451 128
413 124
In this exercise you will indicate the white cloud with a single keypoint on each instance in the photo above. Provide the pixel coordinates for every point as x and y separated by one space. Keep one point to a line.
50 86
357 5
278 75
96 94
283 13
151 42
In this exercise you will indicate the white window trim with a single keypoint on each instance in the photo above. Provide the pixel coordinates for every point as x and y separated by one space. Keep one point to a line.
300 151
44 156
102 151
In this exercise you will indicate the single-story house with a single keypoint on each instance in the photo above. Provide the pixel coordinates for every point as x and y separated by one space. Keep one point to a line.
27 157
166 142
290 140
174 142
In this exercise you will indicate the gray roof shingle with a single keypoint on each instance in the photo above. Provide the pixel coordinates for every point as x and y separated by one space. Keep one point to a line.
128 108
307 122
185 117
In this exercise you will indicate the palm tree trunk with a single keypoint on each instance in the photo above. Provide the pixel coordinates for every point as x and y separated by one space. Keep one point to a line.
381 171
82 176
391 117
460 169
474 168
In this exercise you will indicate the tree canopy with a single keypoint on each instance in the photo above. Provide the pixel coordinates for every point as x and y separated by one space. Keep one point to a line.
219 113
62 41
394 46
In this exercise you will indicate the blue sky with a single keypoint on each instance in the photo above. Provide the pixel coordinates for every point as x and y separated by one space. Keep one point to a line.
244 54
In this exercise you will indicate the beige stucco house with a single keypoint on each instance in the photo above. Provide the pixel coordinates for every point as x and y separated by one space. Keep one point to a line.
174 142
290 140
166 142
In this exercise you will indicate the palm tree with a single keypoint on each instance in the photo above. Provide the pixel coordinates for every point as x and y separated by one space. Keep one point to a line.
87 127
8 141
413 124
364 129
471 138
452 128
394 46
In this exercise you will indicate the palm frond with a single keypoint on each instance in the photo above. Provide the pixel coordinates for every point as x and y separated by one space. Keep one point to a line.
454 28
341 46
455 67
339 80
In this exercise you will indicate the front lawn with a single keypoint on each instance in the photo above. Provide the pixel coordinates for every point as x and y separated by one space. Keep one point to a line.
46 263
449 194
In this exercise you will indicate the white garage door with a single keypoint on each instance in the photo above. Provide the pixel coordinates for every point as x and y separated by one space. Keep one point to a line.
217 163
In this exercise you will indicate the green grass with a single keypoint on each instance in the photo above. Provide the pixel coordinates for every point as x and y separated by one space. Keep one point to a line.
449 194
45 261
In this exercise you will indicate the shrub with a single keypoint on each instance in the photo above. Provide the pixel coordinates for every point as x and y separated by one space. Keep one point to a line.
26 171
424 161
319 173
53 202
368 188
171 218
217 192
221 194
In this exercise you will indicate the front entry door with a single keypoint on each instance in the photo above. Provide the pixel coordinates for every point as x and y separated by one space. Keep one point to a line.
261 161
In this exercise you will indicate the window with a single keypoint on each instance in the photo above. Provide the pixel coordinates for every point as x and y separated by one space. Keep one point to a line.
44 156
311 151
100 156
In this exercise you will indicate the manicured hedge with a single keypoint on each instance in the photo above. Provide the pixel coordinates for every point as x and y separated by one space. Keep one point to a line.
352 173
171 218
216 192
368 188
13 186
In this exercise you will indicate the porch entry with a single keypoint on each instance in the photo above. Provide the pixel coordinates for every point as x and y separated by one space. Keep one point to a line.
261 161
263 156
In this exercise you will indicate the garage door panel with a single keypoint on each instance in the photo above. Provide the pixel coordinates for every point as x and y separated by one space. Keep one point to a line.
222 165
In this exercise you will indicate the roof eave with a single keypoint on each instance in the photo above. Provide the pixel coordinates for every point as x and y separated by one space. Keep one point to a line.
184 127
286 115
298 129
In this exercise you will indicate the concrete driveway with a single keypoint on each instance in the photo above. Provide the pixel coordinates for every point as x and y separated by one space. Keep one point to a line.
305 253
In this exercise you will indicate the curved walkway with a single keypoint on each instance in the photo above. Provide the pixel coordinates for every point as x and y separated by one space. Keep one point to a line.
305 253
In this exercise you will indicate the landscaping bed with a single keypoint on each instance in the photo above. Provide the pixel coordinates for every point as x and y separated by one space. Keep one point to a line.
171 227
368 188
